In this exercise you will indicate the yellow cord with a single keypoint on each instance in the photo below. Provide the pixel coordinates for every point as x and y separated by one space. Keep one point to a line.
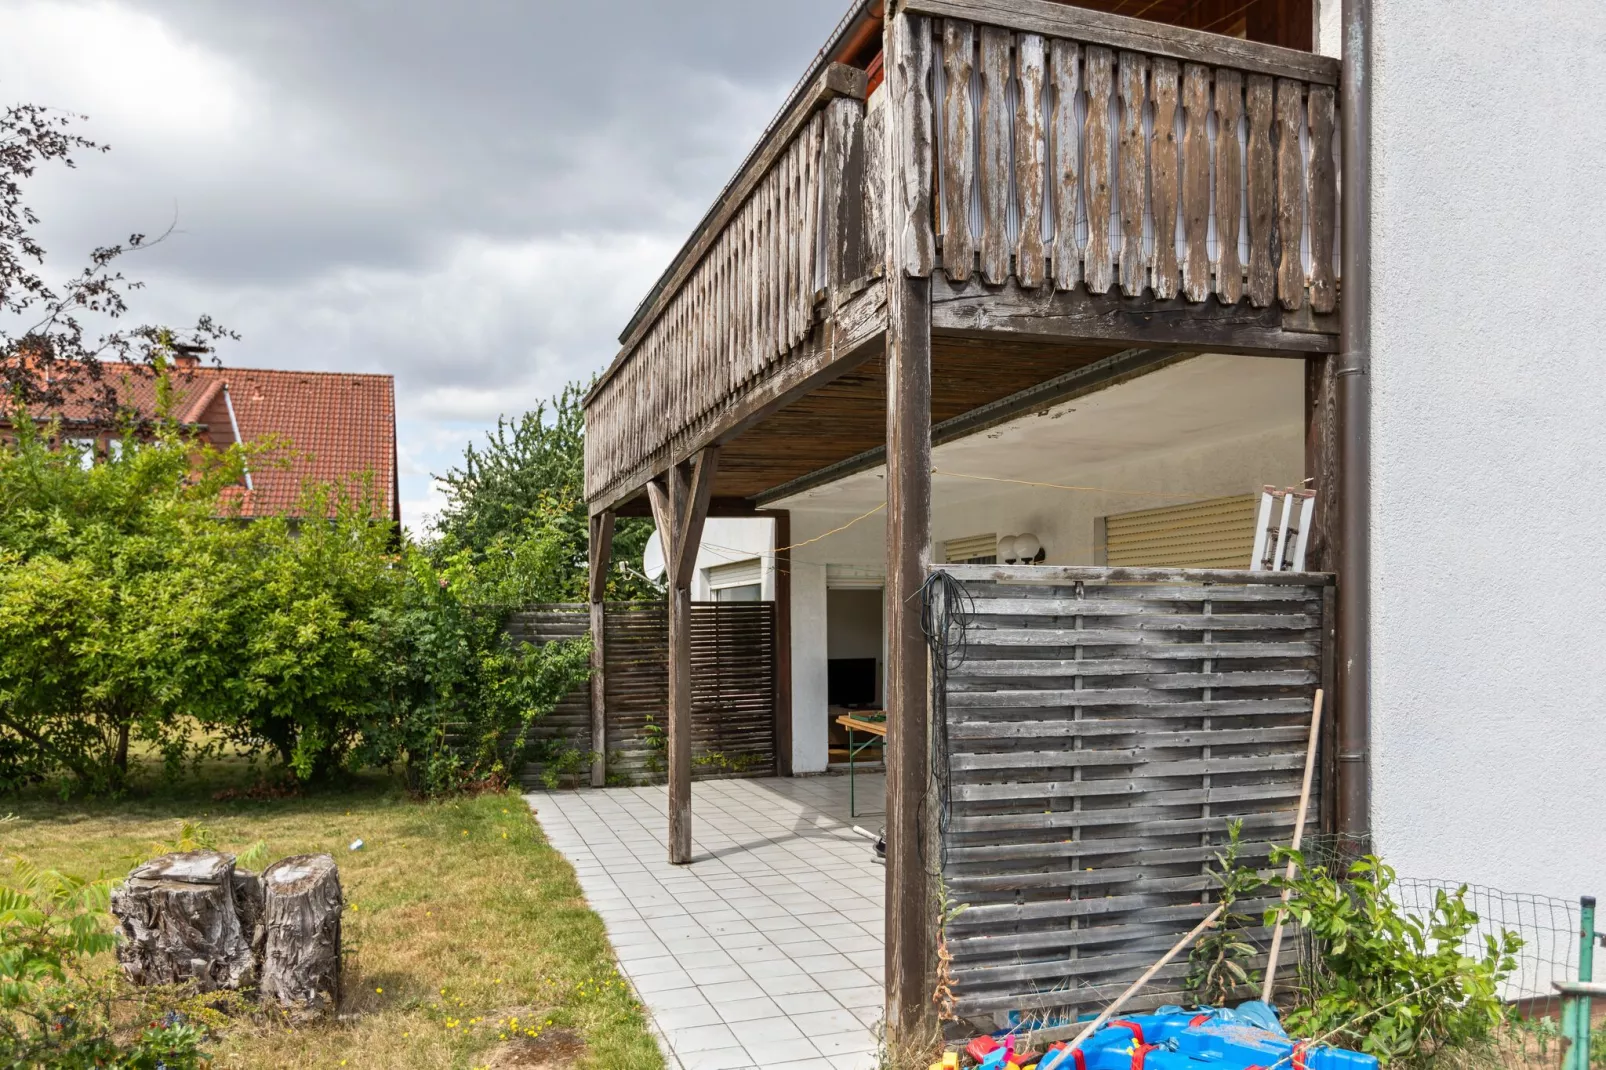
1053 486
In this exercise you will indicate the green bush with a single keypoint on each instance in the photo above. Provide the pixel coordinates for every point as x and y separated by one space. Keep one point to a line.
51 924
1388 982
136 610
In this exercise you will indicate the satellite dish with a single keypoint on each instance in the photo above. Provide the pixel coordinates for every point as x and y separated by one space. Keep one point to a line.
652 558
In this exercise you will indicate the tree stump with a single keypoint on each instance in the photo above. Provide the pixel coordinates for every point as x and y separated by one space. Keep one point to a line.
248 906
180 923
301 963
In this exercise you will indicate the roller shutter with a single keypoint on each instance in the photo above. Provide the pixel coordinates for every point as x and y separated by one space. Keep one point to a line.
1216 533
975 549
735 574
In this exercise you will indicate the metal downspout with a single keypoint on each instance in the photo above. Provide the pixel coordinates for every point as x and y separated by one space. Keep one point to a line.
1355 421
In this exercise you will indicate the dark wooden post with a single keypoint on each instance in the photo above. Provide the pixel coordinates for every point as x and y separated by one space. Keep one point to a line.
679 506
910 912
783 641
1322 554
601 553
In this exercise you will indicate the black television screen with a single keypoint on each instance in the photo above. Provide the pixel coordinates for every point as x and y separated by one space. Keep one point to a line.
850 681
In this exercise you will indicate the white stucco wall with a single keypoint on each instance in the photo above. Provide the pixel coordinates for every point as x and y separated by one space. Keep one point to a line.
1489 422
730 539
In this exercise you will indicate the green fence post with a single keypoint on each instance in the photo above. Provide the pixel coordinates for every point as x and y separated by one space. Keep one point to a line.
1586 938
1576 1010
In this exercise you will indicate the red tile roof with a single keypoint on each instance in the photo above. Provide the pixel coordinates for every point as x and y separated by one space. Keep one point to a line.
338 427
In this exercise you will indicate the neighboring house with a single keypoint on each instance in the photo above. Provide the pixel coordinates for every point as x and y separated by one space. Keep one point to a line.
1012 311
336 427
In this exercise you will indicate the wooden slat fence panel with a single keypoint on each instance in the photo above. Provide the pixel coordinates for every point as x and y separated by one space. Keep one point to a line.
570 723
1102 728
1143 191
733 687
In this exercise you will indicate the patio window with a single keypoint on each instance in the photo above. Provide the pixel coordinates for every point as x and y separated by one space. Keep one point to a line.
738 581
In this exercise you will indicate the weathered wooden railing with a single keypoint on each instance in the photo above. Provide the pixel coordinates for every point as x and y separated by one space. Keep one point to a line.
1071 147
741 296
1099 731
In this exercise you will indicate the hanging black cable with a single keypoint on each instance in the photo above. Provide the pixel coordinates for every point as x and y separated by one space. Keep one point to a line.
946 608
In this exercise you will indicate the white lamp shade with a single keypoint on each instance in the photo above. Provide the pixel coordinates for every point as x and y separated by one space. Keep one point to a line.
652 558
1026 547
1006 548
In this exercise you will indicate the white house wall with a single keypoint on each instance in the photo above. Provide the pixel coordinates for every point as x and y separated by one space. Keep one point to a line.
1489 423
730 539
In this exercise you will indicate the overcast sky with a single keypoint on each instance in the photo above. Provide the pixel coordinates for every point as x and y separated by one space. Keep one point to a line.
470 195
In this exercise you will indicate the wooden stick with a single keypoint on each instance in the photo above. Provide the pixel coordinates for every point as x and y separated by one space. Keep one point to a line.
1299 836
1148 975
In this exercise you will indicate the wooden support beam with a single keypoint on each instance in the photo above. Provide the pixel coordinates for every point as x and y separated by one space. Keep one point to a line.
677 495
973 310
689 533
910 915
679 502
1322 552
601 554
783 640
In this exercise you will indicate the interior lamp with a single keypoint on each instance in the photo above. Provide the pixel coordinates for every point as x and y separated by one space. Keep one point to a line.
1023 549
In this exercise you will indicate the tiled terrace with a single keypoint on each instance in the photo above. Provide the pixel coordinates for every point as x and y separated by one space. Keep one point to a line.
766 951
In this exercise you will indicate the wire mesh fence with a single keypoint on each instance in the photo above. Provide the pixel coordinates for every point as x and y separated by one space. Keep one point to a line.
1548 932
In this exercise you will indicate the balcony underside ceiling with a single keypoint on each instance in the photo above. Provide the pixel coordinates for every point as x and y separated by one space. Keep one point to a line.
846 418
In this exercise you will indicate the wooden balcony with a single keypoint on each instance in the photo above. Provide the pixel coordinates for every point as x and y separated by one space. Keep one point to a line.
1083 190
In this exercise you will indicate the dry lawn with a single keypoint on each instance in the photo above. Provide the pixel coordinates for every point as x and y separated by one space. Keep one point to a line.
468 941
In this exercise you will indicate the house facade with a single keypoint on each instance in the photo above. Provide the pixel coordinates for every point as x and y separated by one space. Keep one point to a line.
1017 317
335 428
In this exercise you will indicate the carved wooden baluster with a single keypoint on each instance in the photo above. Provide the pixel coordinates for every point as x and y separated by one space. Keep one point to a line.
1163 175
1262 287
1323 201
958 148
1134 172
1097 259
1031 150
1290 192
1196 181
994 138
1064 59
1229 185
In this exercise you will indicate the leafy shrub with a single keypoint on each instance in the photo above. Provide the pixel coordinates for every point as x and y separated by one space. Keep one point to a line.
135 609
1219 962
93 568
1390 983
50 925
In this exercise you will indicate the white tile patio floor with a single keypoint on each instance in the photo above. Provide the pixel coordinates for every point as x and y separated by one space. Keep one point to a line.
766 951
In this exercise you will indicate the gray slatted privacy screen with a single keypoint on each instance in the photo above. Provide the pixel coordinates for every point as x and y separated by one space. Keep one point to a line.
1102 727
733 687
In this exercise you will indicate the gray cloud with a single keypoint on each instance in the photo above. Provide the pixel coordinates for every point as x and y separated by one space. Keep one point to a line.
472 196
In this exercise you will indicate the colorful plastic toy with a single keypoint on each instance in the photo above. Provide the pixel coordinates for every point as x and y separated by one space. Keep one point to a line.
1174 1039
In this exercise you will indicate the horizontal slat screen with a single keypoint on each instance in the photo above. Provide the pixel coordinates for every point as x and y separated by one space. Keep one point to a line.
1218 533
1099 737
733 687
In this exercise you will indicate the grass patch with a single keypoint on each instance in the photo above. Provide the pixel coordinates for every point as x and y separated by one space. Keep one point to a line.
460 919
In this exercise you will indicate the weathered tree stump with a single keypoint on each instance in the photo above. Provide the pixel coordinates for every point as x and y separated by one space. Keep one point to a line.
248 906
301 963
180 923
